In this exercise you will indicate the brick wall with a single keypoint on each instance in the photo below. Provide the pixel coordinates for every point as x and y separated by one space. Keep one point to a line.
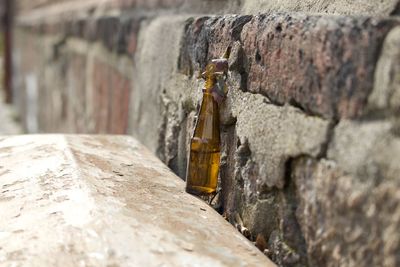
310 128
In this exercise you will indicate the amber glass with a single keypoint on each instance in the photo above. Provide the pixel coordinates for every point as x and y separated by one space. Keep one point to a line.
203 165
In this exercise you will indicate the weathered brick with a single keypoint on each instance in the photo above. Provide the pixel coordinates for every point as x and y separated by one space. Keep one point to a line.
107 29
347 220
323 65
101 85
76 93
207 38
111 93
127 36
119 103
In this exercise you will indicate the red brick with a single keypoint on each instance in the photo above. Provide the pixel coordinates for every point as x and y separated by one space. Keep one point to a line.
111 99
120 88
101 85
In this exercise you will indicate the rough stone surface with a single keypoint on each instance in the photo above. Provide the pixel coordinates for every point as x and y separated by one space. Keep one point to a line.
85 200
324 65
283 133
386 92
313 62
342 7
365 142
360 186
347 220
366 149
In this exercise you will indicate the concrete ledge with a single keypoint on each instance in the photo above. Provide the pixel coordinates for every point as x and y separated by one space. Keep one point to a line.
105 201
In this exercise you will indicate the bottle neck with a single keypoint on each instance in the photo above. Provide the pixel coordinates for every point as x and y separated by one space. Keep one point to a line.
206 92
208 96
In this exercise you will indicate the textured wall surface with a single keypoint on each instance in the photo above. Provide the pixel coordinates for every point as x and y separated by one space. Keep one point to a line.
310 128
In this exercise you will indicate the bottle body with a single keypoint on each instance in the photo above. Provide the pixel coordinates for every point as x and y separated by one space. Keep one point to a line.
204 158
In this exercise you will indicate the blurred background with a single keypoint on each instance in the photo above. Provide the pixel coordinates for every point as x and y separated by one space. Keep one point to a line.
8 116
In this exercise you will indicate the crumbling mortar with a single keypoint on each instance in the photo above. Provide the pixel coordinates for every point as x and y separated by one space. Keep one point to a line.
292 234
329 136
168 149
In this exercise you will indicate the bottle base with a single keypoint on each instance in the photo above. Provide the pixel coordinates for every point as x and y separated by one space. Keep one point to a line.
200 190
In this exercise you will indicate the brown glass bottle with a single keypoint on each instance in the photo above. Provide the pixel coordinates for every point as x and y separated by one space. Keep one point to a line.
203 168
205 145
203 165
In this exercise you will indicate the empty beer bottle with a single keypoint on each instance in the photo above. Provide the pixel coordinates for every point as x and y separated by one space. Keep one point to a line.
205 145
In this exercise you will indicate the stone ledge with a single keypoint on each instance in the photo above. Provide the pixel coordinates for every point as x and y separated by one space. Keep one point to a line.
102 201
